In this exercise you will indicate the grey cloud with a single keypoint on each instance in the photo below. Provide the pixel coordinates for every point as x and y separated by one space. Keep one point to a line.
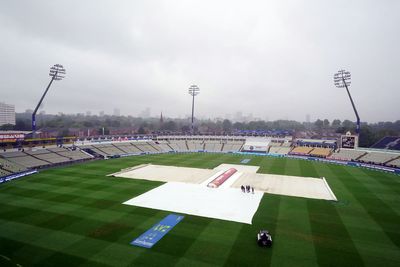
273 59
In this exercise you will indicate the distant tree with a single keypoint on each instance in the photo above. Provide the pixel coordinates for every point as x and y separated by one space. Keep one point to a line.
141 130
336 123
348 124
7 127
227 125
88 124
185 128
319 123
22 124
115 123
239 126
169 126
64 132
367 137
326 123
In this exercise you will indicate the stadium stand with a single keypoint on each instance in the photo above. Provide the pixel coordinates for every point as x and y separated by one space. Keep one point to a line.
4 172
320 152
52 158
301 150
218 147
191 145
232 146
108 149
180 145
174 146
164 146
29 161
145 147
126 147
11 167
195 145
347 154
378 157
130 148
394 163
71 154
388 142
212 146
279 150
44 157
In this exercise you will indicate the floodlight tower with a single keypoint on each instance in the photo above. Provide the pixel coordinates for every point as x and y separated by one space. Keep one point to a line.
343 79
57 73
193 91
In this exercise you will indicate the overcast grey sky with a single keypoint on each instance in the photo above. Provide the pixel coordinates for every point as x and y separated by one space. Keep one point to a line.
274 59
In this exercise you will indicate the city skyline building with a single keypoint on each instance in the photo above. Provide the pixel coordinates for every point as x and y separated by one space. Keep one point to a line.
7 114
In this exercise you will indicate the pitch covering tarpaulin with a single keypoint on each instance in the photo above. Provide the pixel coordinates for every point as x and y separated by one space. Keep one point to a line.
155 233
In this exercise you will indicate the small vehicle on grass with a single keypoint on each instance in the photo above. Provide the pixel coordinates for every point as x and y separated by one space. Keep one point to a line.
264 238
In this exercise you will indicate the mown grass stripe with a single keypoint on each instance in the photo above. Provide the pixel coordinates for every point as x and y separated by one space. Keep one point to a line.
265 218
382 213
212 245
330 235
371 242
382 187
83 191
293 227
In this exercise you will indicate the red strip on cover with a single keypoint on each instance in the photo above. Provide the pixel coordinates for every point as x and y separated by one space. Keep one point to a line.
221 178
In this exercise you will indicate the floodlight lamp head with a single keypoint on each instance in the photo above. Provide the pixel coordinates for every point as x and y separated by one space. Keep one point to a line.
57 72
194 90
342 79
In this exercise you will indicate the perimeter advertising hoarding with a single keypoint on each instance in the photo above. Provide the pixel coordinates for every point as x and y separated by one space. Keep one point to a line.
6 138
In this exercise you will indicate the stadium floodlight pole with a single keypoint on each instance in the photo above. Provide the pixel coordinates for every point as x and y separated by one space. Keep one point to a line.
57 73
193 91
342 79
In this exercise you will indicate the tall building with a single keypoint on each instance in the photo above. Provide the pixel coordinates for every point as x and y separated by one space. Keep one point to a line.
117 112
7 114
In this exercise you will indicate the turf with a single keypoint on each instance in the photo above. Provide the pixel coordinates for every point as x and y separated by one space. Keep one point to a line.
73 216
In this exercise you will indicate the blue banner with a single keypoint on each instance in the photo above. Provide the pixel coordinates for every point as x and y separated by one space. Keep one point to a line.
153 235
16 176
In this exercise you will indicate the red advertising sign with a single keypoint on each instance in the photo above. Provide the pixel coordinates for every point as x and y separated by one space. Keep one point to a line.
4 138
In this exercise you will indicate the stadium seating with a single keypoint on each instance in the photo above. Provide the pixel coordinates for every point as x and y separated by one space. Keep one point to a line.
394 163
29 161
301 150
11 167
4 172
44 157
191 145
145 147
388 142
212 146
232 146
347 154
378 157
279 150
108 149
320 152
174 146
180 145
164 146
13 154
72 154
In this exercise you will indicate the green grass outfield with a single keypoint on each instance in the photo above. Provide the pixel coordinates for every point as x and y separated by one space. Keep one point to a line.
73 216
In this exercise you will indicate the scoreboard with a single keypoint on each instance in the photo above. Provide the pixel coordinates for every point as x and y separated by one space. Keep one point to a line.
349 141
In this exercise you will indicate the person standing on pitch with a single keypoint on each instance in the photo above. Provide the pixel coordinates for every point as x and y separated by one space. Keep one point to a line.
252 190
